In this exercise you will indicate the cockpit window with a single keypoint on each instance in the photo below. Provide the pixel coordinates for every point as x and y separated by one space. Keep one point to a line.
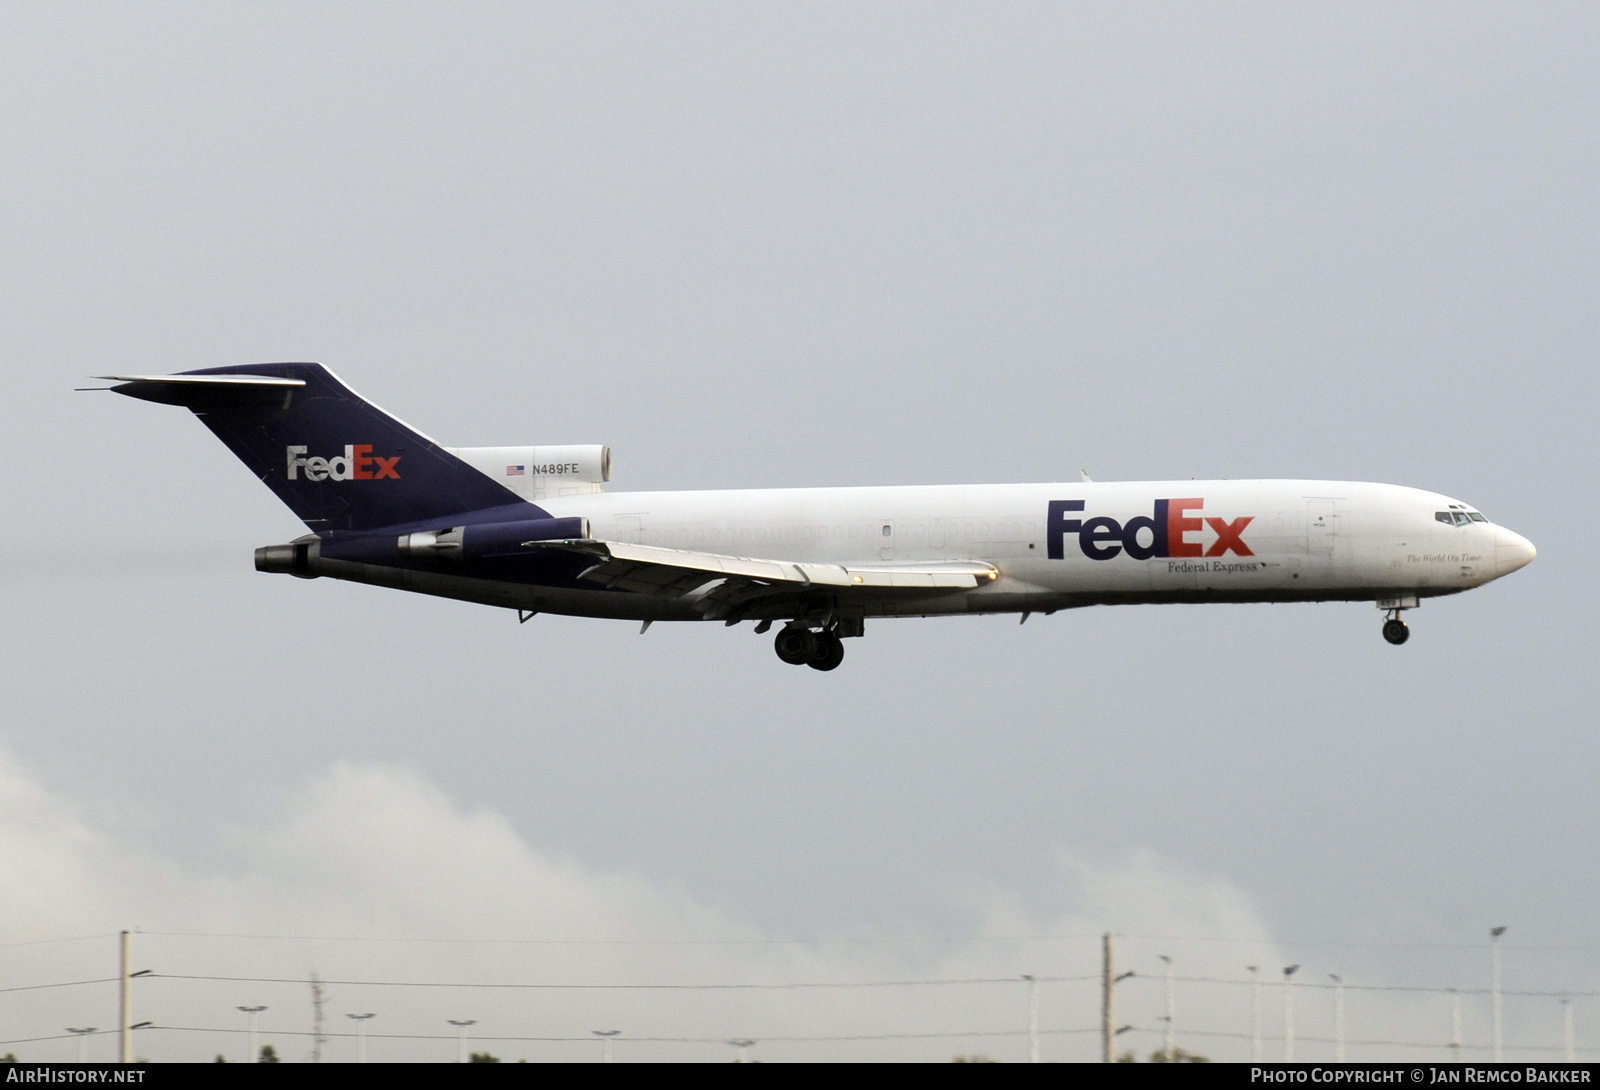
1475 517
1458 518
1446 517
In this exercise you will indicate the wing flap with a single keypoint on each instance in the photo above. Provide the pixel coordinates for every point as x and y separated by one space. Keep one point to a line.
653 569
958 576
767 571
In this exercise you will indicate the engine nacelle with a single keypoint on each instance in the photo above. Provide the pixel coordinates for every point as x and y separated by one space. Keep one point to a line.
537 473
489 540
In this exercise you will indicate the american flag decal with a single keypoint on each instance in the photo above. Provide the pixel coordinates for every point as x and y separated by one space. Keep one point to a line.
515 471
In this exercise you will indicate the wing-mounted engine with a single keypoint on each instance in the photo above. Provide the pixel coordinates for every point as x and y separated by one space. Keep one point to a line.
538 473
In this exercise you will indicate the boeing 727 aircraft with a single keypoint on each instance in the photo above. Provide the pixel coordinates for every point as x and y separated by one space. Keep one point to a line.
530 529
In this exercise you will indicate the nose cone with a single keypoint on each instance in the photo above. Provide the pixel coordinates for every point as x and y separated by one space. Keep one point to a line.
1511 551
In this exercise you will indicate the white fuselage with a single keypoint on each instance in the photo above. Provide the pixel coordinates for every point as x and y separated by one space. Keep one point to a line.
1265 540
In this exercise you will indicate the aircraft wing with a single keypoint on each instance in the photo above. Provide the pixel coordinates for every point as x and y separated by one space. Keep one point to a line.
719 584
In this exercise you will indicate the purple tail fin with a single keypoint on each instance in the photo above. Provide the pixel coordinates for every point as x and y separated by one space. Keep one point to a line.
339 462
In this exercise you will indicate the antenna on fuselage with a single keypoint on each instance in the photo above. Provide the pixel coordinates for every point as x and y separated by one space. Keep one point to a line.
1084 473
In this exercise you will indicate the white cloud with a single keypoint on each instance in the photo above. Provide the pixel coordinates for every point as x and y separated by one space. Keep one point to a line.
373 874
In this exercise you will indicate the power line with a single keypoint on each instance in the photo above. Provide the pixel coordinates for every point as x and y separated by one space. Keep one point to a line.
800 1038
1415 988
45 942
795 986
800 985
929 1035
910 940
830 941
75 983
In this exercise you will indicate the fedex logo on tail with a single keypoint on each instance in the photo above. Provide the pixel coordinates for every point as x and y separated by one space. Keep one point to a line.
357 463
1164 533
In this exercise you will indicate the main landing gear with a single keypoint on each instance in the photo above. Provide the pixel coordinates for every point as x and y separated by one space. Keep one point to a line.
799 646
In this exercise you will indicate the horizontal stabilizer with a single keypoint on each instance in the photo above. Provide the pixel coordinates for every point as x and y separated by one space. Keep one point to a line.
204 391
206 380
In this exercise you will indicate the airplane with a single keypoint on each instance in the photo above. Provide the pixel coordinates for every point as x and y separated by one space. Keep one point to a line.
530 528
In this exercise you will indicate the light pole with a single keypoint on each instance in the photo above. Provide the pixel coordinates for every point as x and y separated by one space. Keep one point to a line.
1168 962
1494 963
1455 1026
461 1037
1288 1013
741 1043
361 1035
1033 1018
1255 1012
605 1035
83 1039
1109 1030
252 1012
125 995
1338 1017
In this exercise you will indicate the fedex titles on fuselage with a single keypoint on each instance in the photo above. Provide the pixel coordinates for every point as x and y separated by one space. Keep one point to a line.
1162 534
357 463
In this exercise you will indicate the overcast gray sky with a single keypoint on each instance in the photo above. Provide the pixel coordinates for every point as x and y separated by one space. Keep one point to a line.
753 245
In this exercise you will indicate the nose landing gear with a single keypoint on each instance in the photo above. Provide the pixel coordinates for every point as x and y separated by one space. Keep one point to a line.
799 646
1394 629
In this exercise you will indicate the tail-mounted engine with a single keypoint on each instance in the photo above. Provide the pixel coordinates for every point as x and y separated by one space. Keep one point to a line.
539 473
488 541
307 556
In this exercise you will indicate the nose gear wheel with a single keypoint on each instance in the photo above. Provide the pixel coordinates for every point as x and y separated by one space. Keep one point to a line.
1395 630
